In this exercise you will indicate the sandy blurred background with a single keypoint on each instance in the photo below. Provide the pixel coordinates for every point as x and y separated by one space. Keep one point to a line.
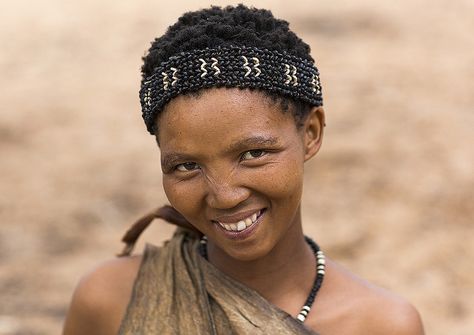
390 195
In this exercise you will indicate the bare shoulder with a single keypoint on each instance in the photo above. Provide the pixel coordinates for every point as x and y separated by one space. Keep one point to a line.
101 297
389 314
371 309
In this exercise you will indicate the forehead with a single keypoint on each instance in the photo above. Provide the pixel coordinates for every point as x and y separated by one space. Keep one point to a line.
221 115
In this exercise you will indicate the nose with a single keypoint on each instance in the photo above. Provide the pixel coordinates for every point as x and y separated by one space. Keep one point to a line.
225 193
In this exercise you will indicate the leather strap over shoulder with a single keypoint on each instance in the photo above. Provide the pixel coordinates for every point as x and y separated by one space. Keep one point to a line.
167 213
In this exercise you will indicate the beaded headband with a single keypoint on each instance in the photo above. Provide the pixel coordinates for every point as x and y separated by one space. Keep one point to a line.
231 66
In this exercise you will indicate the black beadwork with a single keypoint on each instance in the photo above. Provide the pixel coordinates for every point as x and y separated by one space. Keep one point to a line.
317 281
319 277
229 66
203 247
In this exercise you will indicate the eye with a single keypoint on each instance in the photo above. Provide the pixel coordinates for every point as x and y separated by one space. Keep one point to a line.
252 154
186 167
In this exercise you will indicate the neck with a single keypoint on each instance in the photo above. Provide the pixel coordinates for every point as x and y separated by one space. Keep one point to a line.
290 266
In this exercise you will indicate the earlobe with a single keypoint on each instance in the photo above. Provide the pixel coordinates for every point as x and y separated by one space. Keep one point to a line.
313 131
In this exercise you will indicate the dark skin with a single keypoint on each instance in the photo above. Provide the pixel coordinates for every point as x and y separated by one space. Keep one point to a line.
249 159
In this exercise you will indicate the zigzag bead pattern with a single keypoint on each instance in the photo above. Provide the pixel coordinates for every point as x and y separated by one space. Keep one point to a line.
232 66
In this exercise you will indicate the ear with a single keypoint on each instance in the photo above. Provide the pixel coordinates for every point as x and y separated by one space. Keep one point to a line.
313 132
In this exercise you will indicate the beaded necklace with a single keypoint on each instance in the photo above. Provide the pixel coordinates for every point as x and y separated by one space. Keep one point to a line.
320 271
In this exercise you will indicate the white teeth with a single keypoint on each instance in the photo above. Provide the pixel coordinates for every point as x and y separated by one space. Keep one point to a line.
241 226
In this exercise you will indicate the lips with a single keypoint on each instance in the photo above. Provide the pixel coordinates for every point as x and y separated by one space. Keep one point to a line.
240 225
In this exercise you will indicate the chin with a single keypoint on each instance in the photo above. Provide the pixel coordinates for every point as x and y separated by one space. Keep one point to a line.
250 253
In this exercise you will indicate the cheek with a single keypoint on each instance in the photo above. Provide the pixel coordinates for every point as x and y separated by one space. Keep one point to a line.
283 180
183 196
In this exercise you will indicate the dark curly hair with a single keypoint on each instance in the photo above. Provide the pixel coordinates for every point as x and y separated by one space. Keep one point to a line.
240 25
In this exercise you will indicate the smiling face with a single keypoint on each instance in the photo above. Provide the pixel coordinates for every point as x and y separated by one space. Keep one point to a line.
232 165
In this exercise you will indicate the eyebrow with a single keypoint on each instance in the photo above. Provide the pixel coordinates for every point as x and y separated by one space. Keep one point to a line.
254 141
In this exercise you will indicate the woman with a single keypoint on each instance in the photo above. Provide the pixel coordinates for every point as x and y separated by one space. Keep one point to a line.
234 100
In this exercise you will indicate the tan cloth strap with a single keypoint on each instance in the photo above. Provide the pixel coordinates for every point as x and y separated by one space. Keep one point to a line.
179 292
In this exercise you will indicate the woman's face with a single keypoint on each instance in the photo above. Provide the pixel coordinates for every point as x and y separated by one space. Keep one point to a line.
232 165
